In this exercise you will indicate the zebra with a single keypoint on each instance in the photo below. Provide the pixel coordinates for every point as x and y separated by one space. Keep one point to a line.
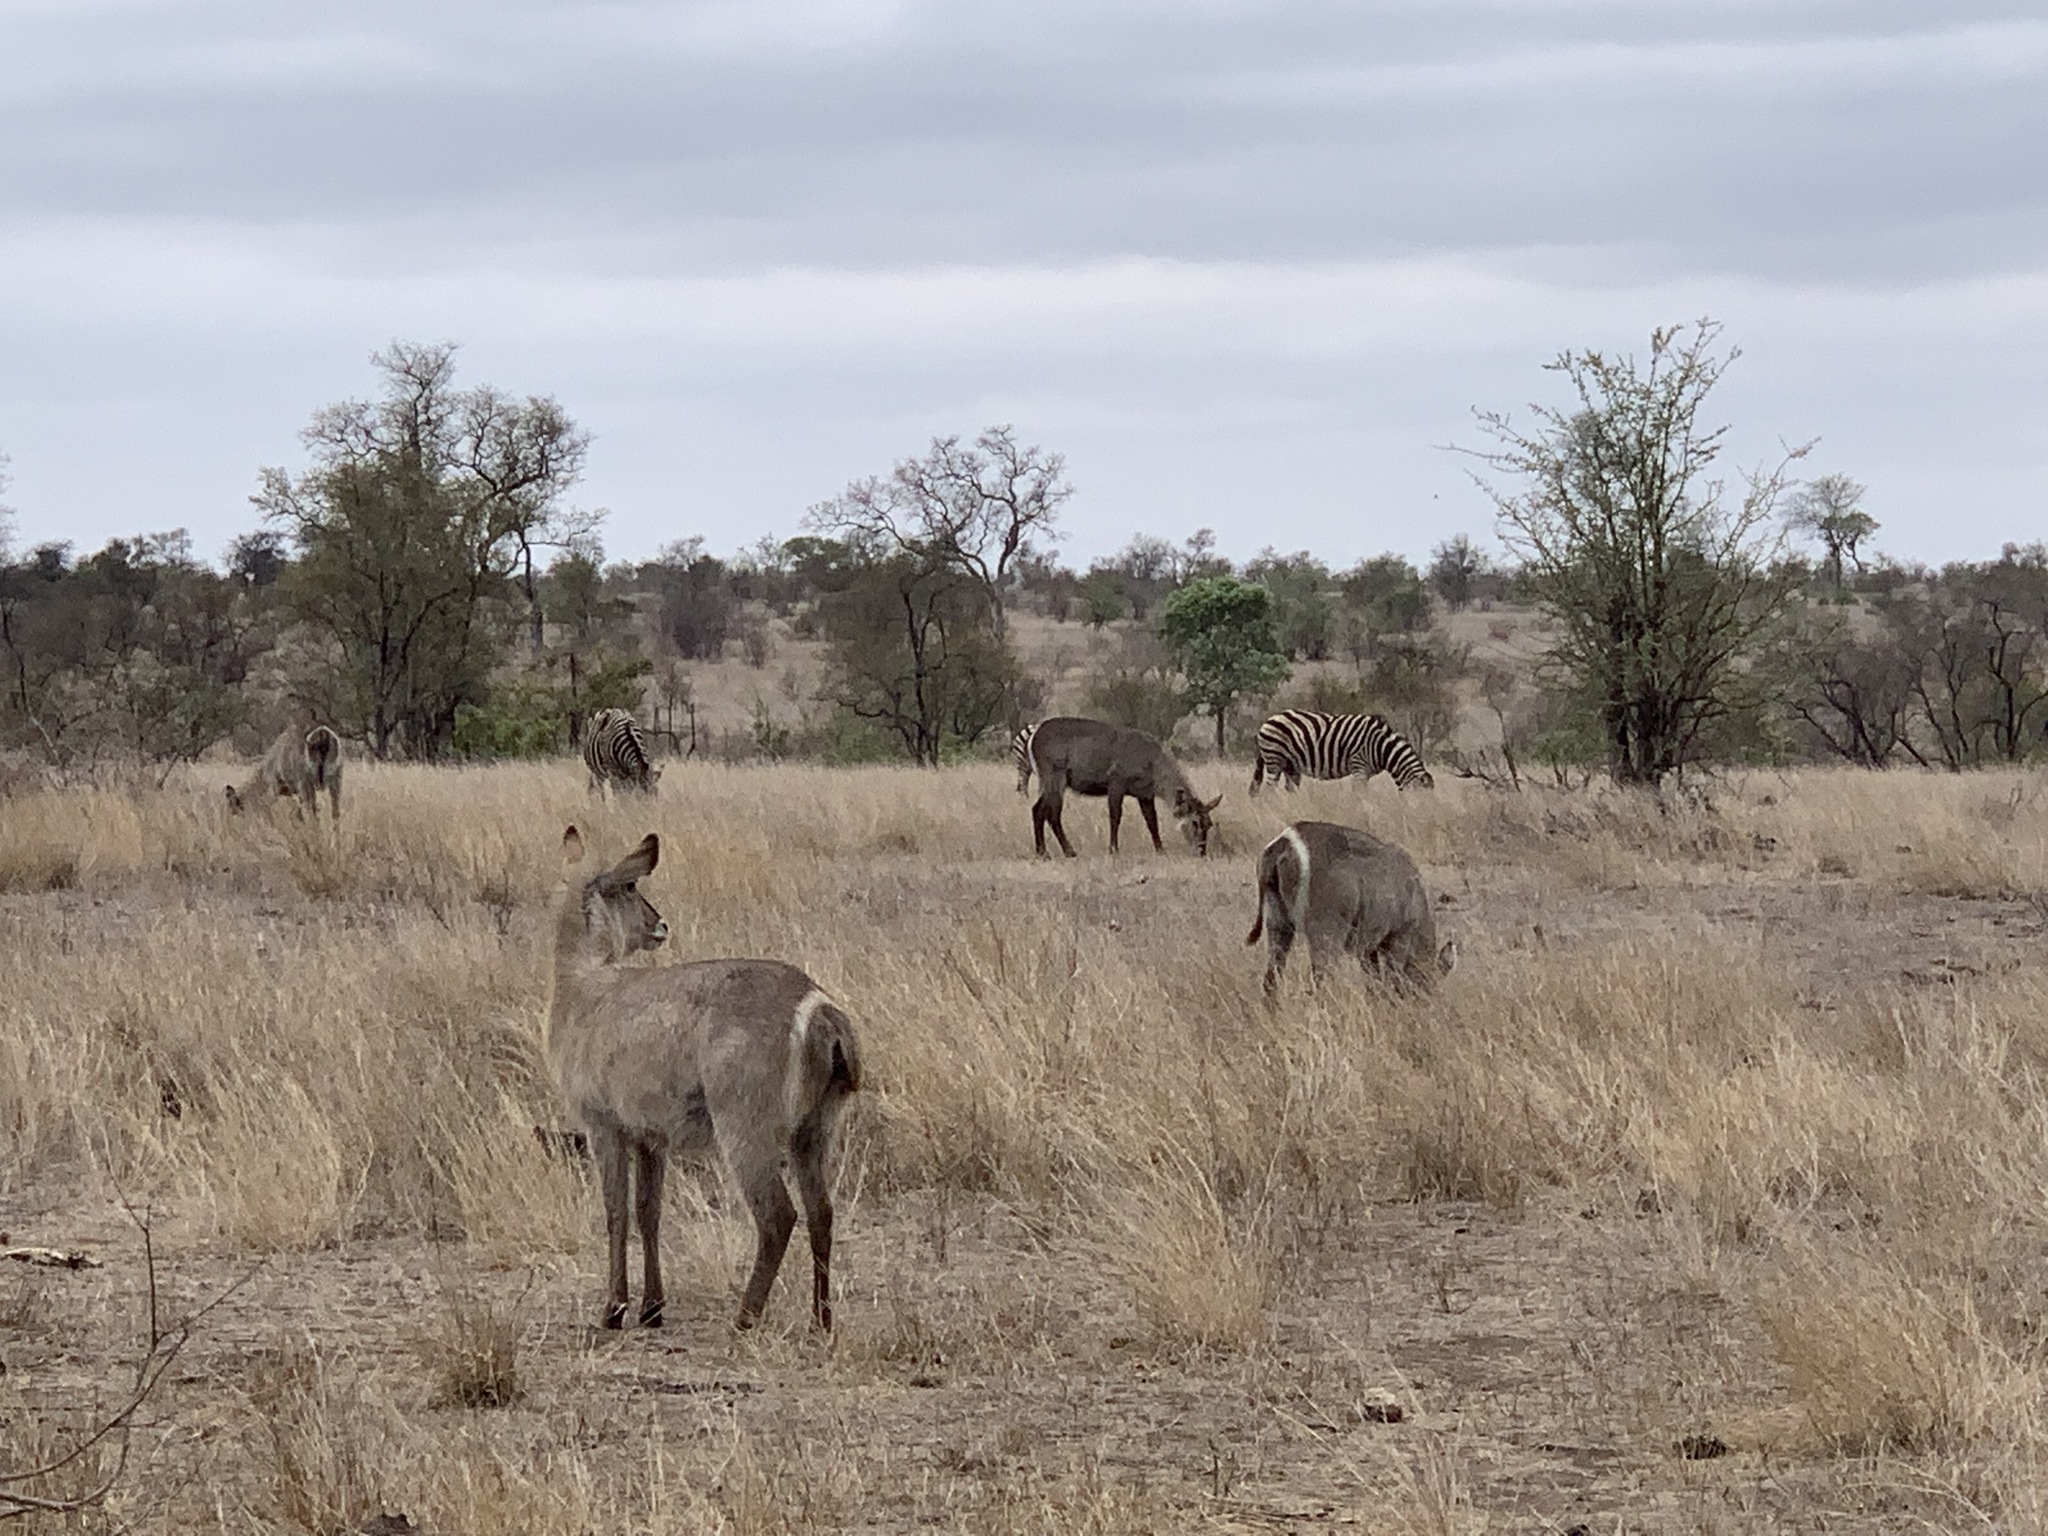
1020 749
1301 741
615 751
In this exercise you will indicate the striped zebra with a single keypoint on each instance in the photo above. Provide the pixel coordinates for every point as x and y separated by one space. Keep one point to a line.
615 753
1301 741
1020 749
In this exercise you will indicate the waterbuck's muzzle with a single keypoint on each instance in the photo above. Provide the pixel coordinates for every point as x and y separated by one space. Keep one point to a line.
658 934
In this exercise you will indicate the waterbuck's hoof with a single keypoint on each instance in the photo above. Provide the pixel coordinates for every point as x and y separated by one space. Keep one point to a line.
823 1318
615 1316
744 1321
650 1315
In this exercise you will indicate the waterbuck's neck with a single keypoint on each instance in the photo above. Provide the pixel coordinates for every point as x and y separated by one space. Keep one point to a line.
579 962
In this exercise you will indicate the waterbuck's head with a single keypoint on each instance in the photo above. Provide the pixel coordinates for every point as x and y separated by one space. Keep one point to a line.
1191 814
617 920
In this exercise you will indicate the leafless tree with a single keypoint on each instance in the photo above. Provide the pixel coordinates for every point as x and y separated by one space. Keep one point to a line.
978 508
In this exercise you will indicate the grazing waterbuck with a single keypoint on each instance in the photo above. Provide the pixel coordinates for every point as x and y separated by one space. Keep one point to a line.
1347 892
299 763
1093 757
746 1056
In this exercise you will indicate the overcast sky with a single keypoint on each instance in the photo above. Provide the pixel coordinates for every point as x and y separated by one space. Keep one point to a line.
1247 265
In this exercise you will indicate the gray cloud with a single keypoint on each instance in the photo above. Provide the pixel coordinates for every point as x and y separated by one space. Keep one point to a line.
1248 264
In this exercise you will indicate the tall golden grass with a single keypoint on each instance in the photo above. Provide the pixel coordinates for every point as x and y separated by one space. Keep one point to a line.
1709 1016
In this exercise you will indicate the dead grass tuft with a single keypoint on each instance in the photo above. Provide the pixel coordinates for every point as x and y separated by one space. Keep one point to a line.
1887 1360
471 1353
1197 1279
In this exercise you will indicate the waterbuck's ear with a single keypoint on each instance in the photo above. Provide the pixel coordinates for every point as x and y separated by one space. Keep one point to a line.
1447 957
637 864
1213 803
572 847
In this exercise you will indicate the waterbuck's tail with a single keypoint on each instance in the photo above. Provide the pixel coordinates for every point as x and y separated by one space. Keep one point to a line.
323 751
1269 880
1270 858
824 1062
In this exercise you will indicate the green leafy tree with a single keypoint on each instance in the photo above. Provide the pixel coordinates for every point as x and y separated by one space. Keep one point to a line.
1102 596
1659 587
1220 633
1827 509
913 648
415 530
1304 616
1455 567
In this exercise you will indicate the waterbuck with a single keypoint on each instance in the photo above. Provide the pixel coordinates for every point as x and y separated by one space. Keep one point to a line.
1348 893
747 1056
1093 757
300 763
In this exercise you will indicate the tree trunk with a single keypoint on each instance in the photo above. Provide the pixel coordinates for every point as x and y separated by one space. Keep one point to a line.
1221 711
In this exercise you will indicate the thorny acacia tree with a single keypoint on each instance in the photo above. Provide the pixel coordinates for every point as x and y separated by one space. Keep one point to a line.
1660 588
978 509
422 510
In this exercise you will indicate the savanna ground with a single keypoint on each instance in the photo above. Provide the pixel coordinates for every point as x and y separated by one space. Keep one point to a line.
1728 1137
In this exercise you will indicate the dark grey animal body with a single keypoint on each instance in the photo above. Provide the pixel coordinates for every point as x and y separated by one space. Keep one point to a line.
300 763
1093 757
1347 892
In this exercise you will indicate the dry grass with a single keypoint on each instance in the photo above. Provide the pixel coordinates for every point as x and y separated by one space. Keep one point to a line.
1748 1093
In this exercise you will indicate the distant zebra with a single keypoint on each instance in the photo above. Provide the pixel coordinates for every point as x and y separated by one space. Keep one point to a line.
615 752
1300 741
1020 749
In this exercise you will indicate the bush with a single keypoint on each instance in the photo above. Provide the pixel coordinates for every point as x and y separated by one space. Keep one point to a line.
520 720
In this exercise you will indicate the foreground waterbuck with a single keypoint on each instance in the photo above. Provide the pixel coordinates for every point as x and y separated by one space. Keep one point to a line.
747 1056
300 763
1347 892
1093 757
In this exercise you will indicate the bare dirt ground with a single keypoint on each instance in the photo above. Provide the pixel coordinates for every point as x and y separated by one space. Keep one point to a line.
1706 1195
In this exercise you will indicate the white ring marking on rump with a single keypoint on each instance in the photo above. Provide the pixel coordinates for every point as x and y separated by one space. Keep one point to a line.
1293 838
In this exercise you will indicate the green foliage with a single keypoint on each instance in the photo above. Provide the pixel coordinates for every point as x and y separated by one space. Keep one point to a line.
1455 567
772 739
529 715
415 530
521 719
913 647
1305 618
1660 593
135 653
1102 596
1220 634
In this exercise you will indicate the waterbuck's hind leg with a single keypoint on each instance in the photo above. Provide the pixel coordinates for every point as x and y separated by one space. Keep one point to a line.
774 1221
808 1151
609 1151
1150 812
1279 940
1045 812
651 1168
